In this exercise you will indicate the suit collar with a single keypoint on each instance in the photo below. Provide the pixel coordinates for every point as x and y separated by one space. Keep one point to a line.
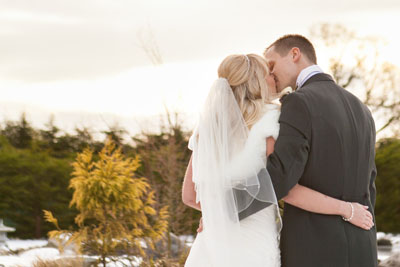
306 74
318 78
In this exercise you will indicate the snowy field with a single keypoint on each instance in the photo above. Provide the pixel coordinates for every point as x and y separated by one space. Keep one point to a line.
395 239
32 250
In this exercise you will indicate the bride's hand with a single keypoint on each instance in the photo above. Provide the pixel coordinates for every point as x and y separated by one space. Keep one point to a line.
361 216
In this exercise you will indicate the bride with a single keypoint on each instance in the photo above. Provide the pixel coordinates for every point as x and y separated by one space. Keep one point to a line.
226 177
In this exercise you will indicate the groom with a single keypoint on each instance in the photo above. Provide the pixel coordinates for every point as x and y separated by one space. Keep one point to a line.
326 142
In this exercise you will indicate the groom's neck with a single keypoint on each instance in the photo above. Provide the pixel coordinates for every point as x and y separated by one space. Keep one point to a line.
302 65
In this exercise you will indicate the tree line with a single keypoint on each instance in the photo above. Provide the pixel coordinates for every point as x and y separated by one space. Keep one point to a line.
36 167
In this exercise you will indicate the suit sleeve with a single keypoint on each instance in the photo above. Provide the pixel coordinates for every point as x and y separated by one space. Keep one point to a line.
372 188
286 164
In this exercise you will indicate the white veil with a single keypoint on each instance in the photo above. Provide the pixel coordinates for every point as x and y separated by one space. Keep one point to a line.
225 183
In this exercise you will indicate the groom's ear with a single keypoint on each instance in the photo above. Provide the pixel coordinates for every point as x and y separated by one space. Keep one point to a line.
295 54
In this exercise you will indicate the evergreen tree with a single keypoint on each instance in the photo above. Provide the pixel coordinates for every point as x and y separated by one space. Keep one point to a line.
30 181
49 135
65 145
20 134
387 208
116 208
116 134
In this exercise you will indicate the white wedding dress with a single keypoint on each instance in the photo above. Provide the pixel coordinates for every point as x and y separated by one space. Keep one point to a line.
259 233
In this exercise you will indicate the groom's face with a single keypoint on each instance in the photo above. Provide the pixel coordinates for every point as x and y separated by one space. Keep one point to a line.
282 67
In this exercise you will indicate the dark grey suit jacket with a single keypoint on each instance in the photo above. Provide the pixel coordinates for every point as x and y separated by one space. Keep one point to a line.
326 142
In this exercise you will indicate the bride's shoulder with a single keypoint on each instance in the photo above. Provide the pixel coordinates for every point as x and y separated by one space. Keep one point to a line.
271 113
271 106
268 124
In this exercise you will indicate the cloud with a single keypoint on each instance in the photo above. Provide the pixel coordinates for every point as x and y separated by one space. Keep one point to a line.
52 40
45 48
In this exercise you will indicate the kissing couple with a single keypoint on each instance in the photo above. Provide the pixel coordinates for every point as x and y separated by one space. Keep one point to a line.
315 150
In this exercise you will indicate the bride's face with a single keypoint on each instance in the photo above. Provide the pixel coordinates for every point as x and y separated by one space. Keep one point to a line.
271 84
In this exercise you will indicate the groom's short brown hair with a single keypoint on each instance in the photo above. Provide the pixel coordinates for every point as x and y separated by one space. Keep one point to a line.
283 45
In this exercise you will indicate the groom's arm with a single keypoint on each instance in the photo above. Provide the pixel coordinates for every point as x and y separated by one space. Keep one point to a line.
286 164
372 188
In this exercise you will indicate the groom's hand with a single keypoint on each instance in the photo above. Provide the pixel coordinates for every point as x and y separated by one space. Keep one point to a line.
200 229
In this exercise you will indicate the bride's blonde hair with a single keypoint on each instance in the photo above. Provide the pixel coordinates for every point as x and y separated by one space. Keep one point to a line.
246 75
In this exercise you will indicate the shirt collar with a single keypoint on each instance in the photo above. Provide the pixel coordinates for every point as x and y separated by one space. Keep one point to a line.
306 74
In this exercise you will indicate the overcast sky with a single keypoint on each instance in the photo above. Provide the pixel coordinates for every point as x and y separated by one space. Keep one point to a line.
85 55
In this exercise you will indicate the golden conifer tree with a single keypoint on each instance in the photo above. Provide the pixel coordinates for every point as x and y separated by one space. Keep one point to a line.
116 208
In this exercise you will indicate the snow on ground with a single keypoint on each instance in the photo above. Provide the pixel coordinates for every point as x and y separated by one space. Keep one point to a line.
16 244
187 239
395 239
34 249
42 253
29 257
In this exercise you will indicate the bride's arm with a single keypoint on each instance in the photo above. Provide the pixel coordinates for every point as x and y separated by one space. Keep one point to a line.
314 201
188 189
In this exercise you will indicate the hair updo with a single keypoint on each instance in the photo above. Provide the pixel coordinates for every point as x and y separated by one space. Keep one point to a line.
247 78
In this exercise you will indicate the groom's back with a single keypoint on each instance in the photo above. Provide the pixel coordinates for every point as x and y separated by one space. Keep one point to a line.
340 164
342 145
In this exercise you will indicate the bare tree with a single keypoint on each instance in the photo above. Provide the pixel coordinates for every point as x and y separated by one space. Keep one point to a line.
356 64
164 158
148 43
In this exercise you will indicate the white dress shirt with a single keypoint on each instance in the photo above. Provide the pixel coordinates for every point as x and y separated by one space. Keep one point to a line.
306 74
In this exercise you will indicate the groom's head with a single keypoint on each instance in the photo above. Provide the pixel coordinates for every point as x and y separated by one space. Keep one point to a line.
287 56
